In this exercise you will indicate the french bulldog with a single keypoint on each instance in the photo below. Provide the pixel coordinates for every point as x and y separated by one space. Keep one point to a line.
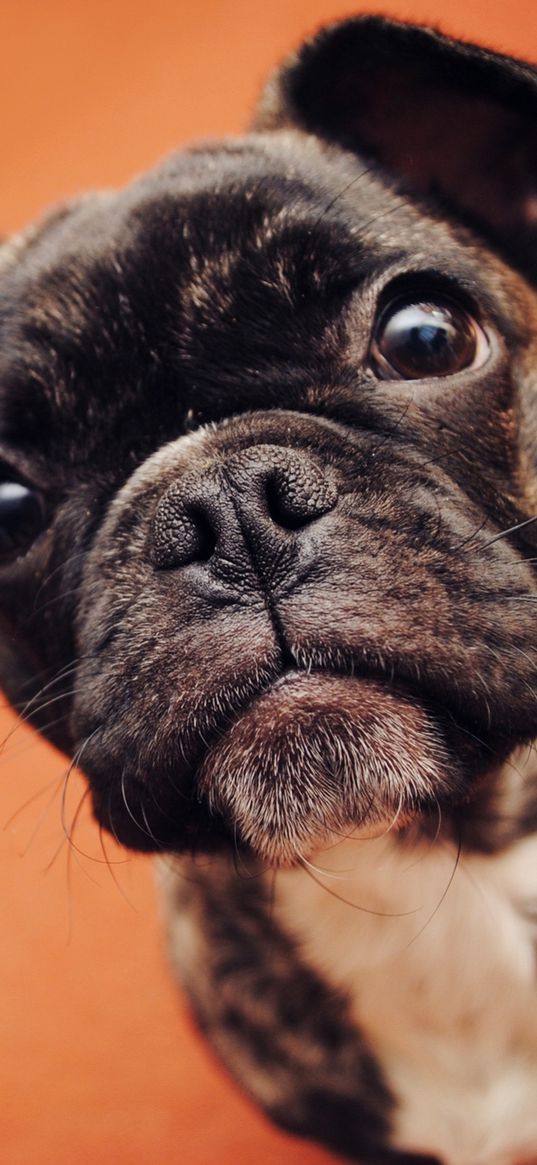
268 535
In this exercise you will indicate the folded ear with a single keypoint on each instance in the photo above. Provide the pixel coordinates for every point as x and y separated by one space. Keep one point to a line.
452 120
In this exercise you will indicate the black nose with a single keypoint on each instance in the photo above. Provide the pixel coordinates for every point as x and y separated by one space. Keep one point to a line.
258 495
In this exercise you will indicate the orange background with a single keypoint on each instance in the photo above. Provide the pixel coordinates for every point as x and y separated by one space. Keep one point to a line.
99 1062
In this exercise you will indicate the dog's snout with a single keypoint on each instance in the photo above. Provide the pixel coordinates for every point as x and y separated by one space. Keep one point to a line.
257 494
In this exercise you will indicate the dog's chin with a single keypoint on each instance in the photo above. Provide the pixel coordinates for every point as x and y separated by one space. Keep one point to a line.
310 759
320 756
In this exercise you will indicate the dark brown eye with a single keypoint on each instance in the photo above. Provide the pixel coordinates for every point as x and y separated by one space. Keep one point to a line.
21 518
426 338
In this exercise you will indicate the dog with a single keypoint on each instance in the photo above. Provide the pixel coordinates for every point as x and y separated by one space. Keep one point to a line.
268 534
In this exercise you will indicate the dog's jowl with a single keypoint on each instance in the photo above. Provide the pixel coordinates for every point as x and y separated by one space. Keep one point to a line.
268 498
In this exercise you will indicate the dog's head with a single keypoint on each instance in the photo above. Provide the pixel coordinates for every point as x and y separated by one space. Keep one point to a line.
268 427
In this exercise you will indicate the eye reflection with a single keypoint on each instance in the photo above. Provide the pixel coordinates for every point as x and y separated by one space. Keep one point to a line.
426 338
21 518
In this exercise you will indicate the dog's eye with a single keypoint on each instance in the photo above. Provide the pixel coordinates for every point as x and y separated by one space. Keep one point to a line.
426 338
21 518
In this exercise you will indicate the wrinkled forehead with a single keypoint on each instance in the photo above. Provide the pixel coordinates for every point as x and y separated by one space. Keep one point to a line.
231 241
260 192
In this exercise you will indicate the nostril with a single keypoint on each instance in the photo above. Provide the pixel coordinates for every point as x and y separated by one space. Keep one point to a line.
207 514
297 495
205 536
181 534
283 508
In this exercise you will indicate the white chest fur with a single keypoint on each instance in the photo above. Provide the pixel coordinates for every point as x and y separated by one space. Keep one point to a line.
442 980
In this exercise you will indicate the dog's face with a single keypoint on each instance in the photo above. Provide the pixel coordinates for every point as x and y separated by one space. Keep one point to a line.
265 418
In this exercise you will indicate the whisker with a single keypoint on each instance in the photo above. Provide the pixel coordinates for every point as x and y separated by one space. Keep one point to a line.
382 215
43 816
244 873
33 741
443 896
30 708
470 538
439 824
61 846
57 570
394 820
111 818
340 194
338 875
110 864
74 849
65 695
354 905
67 840
73 765
31 801
60 674
143 828
68 832
393 430
505 533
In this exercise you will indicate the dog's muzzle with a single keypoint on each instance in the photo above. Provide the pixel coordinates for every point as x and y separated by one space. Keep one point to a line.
254 663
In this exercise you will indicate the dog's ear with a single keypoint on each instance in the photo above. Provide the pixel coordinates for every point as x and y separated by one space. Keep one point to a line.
449 119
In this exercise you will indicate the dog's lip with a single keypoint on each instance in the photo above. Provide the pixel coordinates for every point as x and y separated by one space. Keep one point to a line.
210 729
385 677
441 694
212 830
389 675
295 672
